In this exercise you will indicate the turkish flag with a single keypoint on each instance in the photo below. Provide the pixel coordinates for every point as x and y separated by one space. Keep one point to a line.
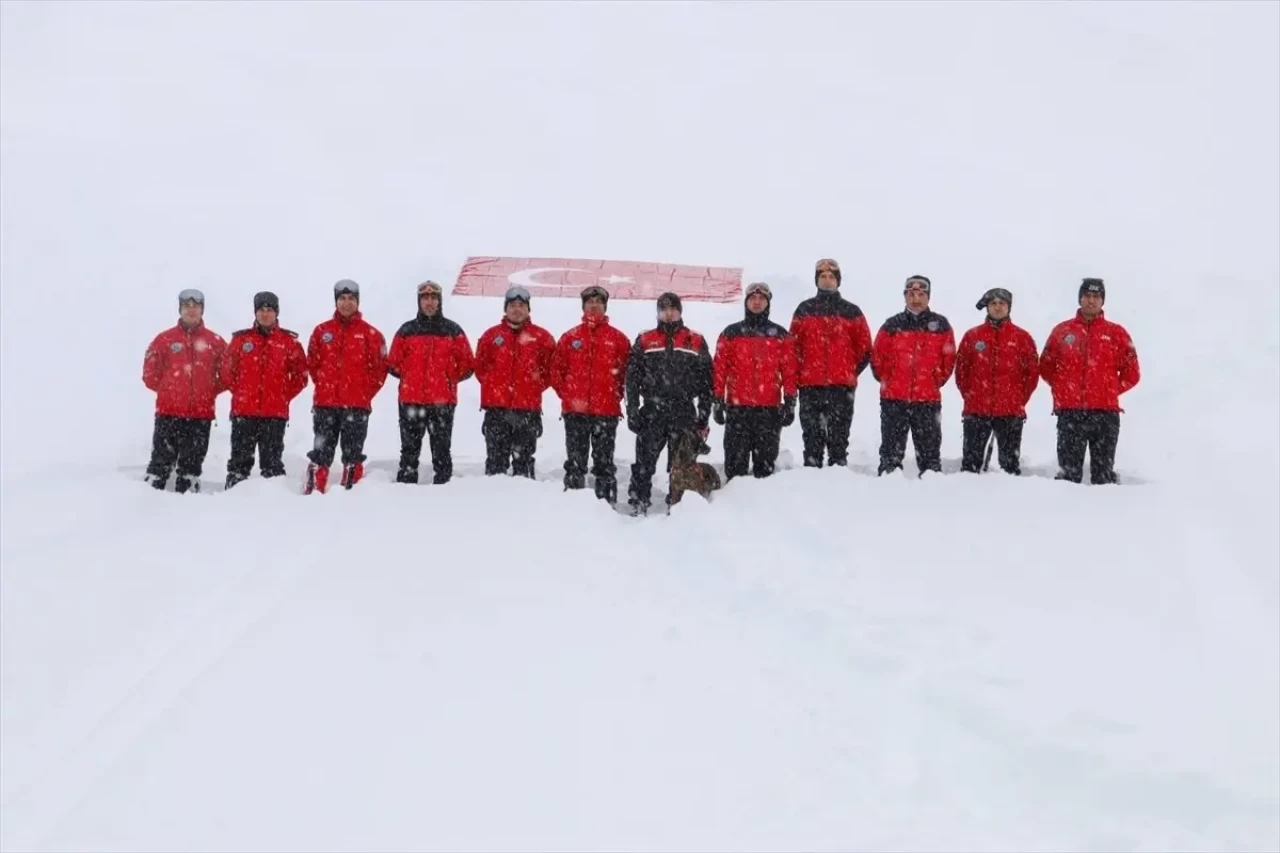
486 276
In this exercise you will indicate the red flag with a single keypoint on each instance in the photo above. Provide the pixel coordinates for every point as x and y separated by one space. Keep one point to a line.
486 276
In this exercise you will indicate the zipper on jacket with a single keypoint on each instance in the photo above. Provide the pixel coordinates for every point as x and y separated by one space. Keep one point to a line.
515 363
191 368
995 353
591 363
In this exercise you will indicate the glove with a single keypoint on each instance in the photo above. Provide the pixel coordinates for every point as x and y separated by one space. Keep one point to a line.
633 420
717 410
788 411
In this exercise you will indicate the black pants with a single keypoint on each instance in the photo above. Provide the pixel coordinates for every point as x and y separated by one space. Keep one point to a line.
435 422
923 421
182 443
826 416
334 425
1092 430
752 435
263 435
1008 432
597 436
656 434
511 441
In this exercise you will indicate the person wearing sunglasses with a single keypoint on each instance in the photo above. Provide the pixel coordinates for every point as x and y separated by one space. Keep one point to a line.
182 366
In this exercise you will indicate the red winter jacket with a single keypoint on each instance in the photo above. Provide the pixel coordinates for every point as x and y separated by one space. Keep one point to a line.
182 366
914 356
514 366
755 363
348 363
589 368
832 340
430 356
997 370
265 369
1089 364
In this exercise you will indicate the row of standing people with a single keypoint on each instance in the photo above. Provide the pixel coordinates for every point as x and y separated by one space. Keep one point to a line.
664 382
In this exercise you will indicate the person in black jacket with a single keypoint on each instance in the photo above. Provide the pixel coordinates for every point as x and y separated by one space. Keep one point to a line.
668 369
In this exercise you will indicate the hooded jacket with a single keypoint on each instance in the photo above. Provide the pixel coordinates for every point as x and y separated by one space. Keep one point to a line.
589 368
431 356
755 362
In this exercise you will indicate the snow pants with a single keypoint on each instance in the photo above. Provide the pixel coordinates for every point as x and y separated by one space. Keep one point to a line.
752 435
826 417
595 436
1008 433
332 426
511 441
923 421
1093 430
265 436
182 443
436 424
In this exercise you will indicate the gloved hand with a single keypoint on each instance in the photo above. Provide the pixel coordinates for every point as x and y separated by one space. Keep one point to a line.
788 411
717 410
633 420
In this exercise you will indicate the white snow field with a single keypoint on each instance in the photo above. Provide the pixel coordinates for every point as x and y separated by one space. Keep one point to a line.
820 661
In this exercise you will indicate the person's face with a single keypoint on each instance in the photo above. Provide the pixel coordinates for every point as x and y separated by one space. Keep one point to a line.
997 309
1091 304
348 305
669 314
757 302
594 305
266 316
429 303
517 311
827 280
191 312
917 297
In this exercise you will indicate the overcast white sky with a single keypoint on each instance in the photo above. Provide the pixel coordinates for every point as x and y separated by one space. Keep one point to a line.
152 145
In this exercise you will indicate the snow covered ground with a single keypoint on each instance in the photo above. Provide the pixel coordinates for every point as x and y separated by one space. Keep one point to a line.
825 660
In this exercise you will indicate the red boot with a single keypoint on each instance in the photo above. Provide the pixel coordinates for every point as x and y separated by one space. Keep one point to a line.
317 479
351 474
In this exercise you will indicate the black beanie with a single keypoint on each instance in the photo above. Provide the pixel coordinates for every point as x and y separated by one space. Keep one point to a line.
995 293
1092 285
669 300
266 299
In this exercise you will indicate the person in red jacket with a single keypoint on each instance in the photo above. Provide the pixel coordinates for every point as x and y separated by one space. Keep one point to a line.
914 355
589 374
430 355
265 369
347 359
181 366
754 382
833 347
997 370
1088 362
513 364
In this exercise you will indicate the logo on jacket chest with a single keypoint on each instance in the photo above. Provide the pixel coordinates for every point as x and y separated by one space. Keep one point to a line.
1069 339
499 341
327 337
176 346
248 346
577 344
980 346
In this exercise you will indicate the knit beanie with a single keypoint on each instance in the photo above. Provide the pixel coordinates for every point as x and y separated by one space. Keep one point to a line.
595 291
266 299
995 293
1092 285
669 300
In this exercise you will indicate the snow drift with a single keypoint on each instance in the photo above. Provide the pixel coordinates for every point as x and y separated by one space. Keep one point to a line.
822 660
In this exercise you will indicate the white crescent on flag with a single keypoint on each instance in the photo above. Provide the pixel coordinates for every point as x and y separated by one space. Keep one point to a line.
524 278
